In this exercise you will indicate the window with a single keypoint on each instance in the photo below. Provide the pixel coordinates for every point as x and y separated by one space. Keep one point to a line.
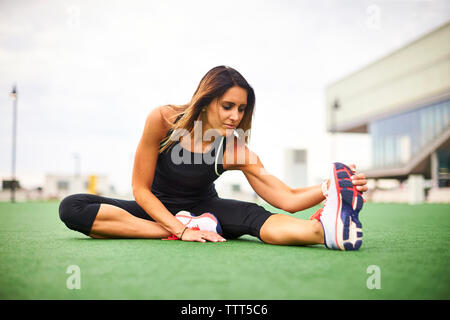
63 185
299 156
395 137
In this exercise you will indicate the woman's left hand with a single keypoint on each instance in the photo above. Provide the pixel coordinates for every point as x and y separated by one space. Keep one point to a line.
359 179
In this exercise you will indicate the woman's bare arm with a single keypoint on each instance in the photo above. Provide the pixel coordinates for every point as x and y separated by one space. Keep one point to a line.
144 170
238 156
276 192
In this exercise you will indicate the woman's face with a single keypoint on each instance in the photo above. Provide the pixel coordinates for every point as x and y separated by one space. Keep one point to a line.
225 113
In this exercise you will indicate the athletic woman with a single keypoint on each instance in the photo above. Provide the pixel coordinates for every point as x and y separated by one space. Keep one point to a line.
184 149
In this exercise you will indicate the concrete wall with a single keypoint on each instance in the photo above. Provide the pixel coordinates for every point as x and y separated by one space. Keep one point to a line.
295 168
416 74
74 185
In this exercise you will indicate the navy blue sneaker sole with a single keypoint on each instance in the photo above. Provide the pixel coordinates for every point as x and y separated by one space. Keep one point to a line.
352 203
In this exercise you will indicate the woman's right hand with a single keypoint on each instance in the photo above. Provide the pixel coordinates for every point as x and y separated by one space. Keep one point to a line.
201 236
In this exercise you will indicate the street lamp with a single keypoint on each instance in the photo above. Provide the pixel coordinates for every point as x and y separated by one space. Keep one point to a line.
334 110
13 183
77 158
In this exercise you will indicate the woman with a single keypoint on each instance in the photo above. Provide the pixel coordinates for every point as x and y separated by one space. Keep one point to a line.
182 151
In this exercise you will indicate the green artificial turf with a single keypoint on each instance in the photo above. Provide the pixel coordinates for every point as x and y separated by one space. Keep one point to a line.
410 245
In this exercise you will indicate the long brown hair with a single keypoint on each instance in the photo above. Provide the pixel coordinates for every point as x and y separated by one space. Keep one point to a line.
213 85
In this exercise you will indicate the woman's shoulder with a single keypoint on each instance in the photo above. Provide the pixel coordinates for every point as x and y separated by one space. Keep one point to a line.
171 110
169 114
161 119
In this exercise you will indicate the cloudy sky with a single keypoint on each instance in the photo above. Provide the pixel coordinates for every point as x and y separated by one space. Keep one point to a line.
89 72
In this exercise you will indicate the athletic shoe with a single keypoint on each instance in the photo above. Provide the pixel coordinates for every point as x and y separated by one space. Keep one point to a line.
339 216
206 222
317 214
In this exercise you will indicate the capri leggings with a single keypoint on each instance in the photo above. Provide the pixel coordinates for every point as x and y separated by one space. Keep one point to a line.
237 218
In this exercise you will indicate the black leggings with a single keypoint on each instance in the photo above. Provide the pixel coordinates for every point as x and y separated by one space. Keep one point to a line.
237 218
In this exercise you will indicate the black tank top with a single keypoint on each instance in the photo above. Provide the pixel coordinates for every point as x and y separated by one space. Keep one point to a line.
185 178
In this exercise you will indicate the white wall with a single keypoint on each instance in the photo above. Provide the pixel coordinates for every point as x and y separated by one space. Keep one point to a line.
416 74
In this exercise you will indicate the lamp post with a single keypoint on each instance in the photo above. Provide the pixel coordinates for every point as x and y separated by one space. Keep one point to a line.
13 183
76 185
334 110
77 158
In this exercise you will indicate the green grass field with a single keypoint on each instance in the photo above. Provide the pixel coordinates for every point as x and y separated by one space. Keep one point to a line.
410 245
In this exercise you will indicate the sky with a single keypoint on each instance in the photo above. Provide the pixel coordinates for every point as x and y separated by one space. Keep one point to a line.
89 72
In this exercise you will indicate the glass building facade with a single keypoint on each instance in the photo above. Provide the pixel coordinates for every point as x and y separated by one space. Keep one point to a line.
443 158
397 139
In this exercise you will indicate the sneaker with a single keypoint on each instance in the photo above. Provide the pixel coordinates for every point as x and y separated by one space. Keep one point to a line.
339 216
316 215
206 221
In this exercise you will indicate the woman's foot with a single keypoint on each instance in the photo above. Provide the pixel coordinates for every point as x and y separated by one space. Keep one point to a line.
340 214
205 222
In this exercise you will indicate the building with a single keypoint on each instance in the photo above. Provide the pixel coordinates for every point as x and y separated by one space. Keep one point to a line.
59 186
20 194
403 102
295 168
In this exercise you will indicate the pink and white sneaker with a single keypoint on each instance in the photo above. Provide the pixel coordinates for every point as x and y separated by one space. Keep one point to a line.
206 221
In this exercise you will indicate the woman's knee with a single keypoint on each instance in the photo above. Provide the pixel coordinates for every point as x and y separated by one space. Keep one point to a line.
79 211
68 206
269 231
